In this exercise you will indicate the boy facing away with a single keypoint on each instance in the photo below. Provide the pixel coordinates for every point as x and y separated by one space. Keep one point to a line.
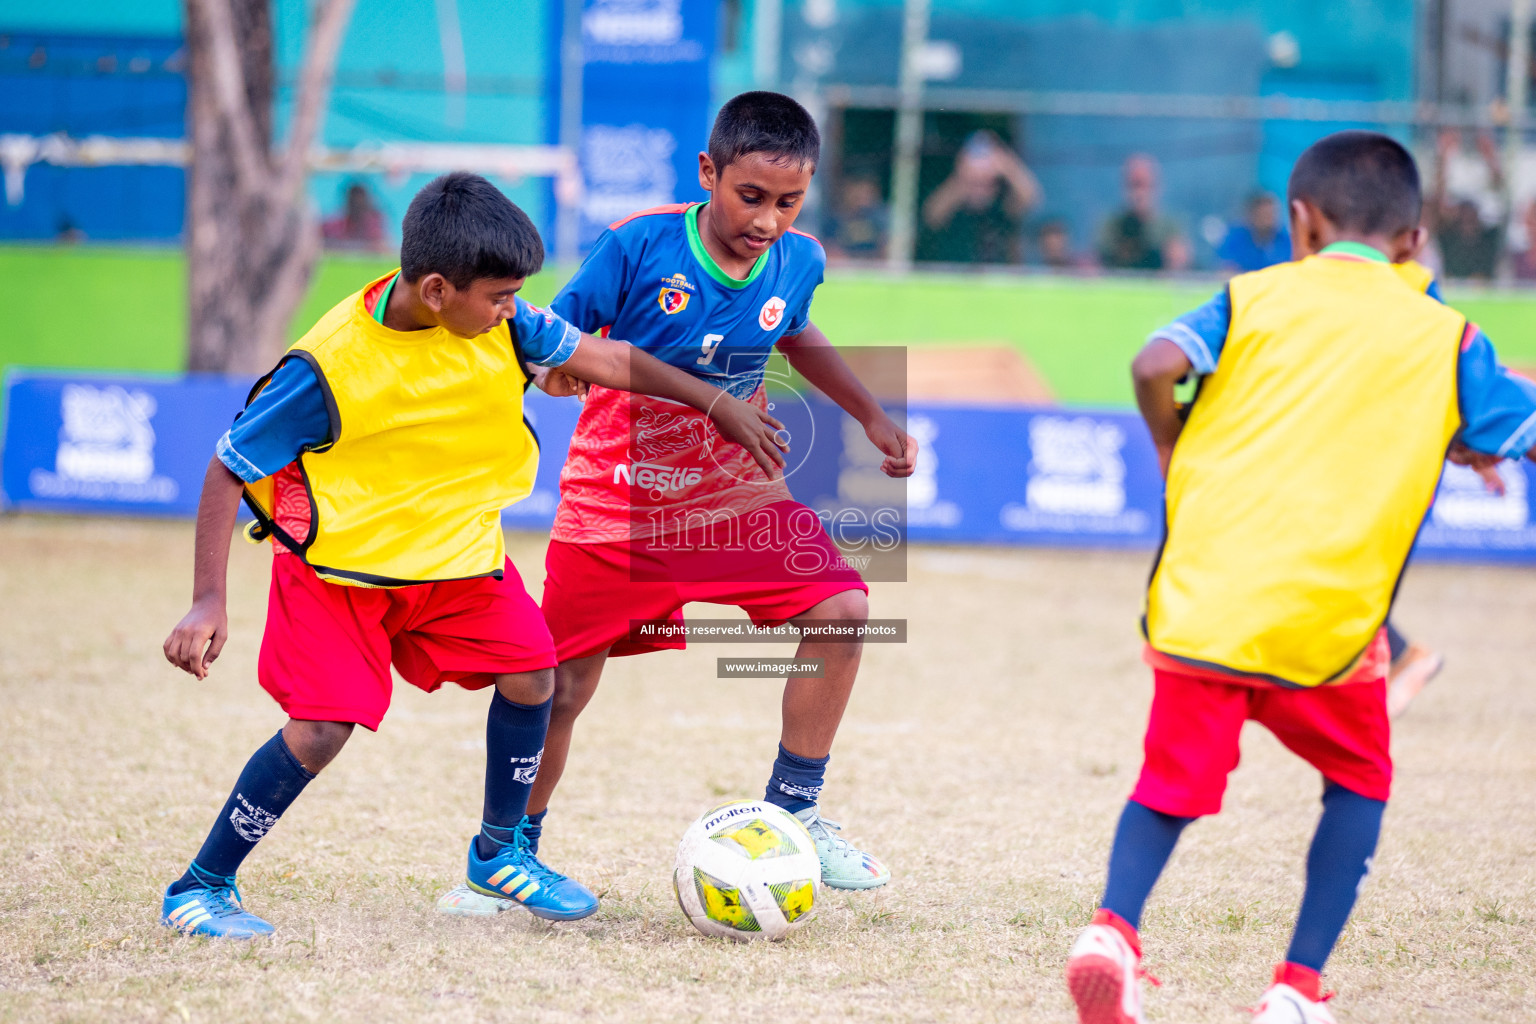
1295 490
378 455
713 289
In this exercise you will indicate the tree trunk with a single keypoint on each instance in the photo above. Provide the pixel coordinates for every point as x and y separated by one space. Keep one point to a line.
252 238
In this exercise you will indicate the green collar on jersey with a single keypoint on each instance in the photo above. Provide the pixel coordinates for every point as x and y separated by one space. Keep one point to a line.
691 218
1365 252
378 307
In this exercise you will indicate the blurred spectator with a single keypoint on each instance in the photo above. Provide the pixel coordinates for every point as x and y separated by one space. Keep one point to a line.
68 233
1465 210
1140 237
1468 247
360 225
1260 241
1525 260
977 214
857 230
1056 253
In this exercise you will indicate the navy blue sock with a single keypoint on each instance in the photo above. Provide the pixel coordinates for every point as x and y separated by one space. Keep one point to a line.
796 781
273 778
534 830
1337 864
1396 642
514 743
1144 841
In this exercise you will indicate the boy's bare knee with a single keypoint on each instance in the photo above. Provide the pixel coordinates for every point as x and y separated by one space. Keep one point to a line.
316 744
527 687
849 606
575 683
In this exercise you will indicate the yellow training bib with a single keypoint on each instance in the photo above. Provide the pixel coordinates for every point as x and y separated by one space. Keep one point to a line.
1306 467
428 446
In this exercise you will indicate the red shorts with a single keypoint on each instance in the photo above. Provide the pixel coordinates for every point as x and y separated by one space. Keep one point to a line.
593 592
1192 738
327 649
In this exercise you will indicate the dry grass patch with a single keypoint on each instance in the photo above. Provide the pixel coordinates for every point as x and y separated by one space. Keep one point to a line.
986 761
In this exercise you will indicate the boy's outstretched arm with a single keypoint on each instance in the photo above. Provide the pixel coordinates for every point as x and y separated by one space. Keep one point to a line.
621 366
814 358
199 637
1155 370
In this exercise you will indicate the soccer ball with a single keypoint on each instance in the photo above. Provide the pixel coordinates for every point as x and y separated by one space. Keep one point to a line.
747 870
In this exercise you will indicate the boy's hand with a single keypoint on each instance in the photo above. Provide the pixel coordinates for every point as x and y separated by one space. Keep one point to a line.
1483 464
760 434
195 643
558 384
899 447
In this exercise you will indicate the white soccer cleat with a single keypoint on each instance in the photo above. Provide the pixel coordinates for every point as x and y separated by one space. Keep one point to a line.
1283 1004
462 901
1104 975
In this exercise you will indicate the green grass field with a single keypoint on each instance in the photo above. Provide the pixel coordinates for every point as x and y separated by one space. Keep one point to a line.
124 309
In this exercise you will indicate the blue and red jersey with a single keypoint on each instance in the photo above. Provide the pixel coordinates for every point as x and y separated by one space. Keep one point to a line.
649 281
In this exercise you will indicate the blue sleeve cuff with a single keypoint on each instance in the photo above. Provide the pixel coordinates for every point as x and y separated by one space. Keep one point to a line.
236 463
1191 344
564 350
1522 441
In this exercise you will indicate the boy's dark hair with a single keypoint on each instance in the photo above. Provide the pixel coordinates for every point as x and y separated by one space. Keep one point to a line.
463 227
764 122
1363 182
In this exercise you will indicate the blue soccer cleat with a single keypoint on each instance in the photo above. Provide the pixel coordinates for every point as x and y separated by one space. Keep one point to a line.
214 911
514 873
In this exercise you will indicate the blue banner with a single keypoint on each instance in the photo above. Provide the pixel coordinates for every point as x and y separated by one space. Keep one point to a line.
645 106
1009 475
136 446
987 475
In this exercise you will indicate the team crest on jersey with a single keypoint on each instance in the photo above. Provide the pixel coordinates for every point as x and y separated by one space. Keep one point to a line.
675 291
770 315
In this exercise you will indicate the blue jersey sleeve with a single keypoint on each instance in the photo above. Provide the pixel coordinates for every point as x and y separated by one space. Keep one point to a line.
801 315
288 418
592 298
545 337
1498 409
1433 291
1201 333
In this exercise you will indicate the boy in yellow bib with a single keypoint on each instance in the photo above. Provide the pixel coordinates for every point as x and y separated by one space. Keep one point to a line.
1295 490
378 455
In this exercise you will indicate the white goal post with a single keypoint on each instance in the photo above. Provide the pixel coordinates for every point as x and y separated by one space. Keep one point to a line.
509 163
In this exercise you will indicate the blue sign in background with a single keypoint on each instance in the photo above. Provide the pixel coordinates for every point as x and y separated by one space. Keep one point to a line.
645 104
125 445
1010 475
999 475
